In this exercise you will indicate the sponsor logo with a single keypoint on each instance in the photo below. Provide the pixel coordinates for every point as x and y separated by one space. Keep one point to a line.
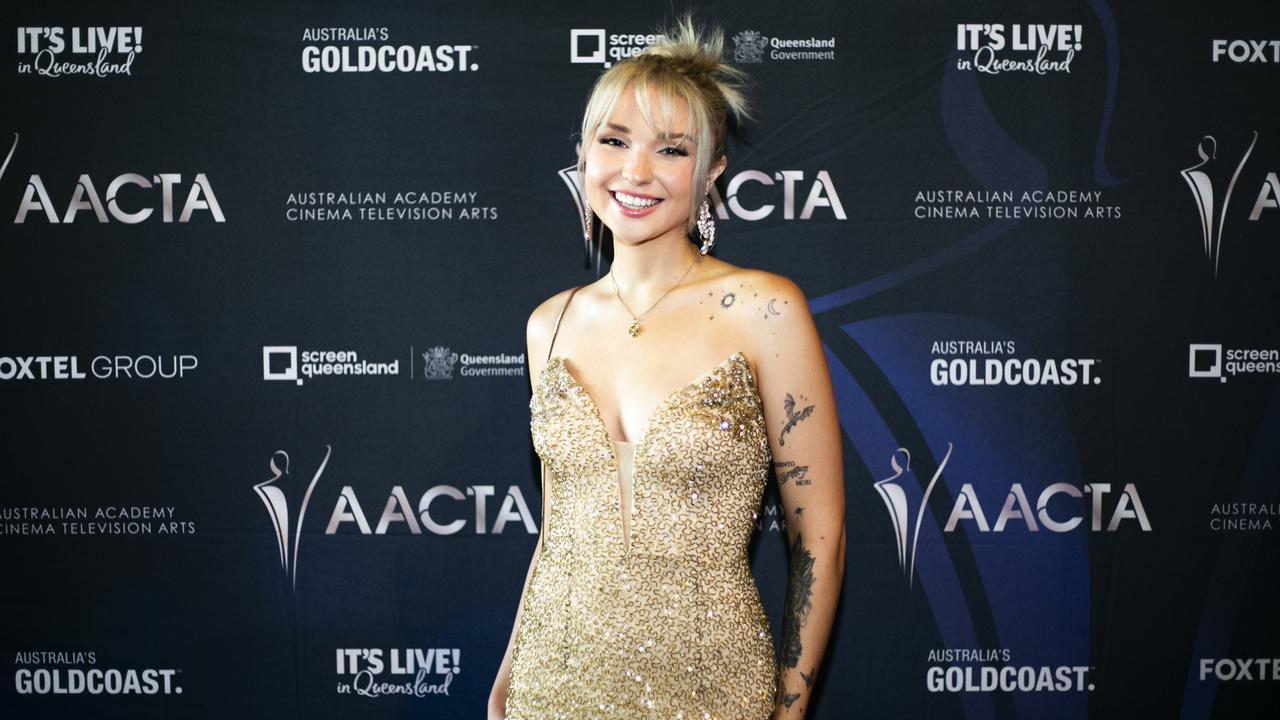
381 207
752 195
1206 179
750 46
379 672
289 364
1245 51
1039 49
83 520
438 364
130 198
92 51
991 670
596 46
99 367
1231 669
989 362
906 530
1052 512
1063 204
372 50
40 672
1242 516
285 362
1212 360
441 510
1212 217
274 497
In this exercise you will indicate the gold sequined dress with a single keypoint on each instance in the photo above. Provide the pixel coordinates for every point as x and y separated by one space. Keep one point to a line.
661 618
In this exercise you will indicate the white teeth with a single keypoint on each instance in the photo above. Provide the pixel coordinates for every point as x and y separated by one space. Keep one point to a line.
635 202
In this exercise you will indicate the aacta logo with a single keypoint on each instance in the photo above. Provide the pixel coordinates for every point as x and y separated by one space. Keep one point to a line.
130 198
277 502
777 194
1016 511
441 510
1207 179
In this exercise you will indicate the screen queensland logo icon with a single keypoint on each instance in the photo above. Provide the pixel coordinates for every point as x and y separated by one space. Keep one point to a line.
1059 507
1217 362
597 46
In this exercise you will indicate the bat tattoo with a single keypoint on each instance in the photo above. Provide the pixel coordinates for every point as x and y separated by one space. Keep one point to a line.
808 679
793 417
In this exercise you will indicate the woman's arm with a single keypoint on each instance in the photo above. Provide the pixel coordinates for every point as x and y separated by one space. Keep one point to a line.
804 437
498 694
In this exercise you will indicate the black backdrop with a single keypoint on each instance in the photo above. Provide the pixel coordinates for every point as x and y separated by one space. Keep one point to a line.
198 522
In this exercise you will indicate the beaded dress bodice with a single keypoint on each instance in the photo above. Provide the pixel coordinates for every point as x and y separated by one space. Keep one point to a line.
665 621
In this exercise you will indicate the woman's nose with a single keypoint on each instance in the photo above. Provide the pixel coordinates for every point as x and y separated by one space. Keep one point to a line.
636 170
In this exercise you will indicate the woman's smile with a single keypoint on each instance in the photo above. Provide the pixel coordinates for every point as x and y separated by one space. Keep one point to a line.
639 178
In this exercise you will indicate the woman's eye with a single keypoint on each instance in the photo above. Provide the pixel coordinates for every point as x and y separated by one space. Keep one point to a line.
675 150
613 141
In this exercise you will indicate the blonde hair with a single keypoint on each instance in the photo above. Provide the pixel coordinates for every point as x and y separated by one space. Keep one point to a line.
684 66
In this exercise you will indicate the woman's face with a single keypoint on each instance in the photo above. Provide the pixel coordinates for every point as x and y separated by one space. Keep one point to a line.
638 178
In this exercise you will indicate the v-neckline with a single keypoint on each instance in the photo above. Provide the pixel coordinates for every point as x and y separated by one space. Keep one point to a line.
648 422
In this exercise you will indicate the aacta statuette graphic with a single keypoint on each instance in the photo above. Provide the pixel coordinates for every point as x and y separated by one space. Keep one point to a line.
573 180
895 499
9 157
277 502
1202 190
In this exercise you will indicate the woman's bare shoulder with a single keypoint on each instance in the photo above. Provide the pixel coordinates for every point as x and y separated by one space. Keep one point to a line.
776 310
542 322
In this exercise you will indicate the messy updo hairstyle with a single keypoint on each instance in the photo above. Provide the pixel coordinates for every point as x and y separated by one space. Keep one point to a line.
682 66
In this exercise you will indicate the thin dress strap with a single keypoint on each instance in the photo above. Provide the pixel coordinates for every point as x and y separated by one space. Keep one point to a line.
556 331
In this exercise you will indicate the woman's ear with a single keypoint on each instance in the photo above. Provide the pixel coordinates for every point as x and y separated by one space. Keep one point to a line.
716 168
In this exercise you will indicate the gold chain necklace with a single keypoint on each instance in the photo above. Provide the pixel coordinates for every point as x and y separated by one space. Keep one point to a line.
634 329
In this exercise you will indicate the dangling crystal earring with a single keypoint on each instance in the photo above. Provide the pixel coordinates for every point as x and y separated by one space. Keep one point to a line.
706 227
586 224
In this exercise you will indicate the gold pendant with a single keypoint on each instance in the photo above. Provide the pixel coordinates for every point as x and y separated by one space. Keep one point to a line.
634 330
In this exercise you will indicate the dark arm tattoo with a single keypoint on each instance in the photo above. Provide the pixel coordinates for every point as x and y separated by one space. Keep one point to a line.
808 679
788 470
799 602
793 417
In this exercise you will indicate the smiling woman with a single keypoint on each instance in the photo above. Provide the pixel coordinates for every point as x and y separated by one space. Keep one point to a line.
678 380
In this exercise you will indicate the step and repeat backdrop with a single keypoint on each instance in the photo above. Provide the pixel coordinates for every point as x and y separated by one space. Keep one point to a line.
265 272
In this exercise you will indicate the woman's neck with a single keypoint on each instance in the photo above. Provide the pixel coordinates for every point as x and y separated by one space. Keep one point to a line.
646 270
